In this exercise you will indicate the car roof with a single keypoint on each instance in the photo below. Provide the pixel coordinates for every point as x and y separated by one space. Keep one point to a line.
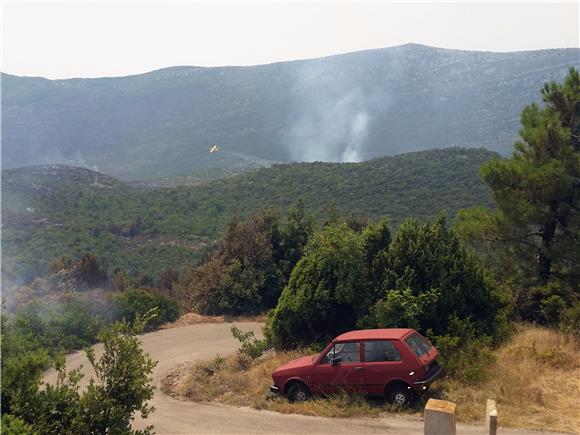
374 334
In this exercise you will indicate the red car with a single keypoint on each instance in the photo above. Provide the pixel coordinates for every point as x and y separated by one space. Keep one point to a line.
392 363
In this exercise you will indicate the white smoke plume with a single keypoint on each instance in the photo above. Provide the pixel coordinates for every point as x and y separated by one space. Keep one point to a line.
331 116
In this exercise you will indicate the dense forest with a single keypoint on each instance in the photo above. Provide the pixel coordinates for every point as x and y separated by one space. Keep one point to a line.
52 211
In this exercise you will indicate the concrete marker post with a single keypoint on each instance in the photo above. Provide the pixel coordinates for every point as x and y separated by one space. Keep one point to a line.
440 417
490 418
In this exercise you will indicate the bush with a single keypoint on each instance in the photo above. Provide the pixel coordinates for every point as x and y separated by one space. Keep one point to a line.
463 352
108 406
571 319
250 345
137 302
400 307
326 291
252 266
428 261
12 425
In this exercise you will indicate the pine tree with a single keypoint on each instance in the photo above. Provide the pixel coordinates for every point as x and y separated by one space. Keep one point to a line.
535 230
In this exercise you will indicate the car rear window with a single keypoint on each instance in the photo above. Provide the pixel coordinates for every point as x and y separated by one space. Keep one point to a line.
381 350
418 344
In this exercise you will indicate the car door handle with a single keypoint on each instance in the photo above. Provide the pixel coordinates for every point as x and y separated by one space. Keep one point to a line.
358 368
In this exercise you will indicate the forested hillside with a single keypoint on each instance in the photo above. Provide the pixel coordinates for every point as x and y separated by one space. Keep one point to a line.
349 107
51 211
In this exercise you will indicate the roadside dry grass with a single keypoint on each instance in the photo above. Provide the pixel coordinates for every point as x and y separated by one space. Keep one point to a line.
194 318
534 379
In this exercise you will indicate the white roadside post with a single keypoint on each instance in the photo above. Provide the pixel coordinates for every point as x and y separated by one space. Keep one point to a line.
439 417
491 418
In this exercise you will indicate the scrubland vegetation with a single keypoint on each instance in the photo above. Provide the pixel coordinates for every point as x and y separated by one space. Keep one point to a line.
49 211
465 286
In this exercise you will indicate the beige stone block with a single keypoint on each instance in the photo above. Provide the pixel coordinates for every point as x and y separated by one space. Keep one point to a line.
491 418
440 417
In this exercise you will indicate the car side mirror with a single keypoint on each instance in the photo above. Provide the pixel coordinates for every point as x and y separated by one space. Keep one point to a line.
335 360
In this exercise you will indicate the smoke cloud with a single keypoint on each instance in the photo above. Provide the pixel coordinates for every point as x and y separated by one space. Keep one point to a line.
331 115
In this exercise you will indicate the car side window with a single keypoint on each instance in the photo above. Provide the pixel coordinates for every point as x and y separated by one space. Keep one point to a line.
381 350
348 352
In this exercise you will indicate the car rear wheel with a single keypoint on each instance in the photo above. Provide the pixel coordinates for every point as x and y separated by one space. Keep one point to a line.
298 392
400 395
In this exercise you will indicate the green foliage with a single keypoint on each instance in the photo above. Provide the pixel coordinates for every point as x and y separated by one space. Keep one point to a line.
464 352
251 267
132 303
249 344
21 375
400 307
446 279
326 291
123 386
570 319
377 238
536 231
12 425
58 326
57 407
49 212
124 383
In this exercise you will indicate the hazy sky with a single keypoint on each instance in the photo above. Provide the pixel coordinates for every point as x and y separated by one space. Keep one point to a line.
61 40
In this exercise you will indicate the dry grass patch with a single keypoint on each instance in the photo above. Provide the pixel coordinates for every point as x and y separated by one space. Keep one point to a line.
237 380
535 381
194 319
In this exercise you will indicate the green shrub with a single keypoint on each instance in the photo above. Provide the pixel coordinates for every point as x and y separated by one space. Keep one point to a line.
12 425
326 291
399 308
428 261
137 302
463 352
250 345
571 319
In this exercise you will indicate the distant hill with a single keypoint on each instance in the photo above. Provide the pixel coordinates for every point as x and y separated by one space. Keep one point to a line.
349 107
56 210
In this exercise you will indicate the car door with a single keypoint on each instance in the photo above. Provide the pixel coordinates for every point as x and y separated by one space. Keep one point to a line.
383 362
347 374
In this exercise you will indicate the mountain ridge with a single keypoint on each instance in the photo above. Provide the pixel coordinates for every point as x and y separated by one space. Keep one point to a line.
366 50
345 107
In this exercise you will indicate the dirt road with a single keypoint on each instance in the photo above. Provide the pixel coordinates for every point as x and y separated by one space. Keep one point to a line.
173 346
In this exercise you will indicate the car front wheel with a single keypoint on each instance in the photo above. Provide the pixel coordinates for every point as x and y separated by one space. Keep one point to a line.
298 392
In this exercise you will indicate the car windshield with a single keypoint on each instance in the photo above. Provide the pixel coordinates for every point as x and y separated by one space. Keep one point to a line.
418 344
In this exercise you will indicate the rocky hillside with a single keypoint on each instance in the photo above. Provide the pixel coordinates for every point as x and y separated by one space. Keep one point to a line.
349 107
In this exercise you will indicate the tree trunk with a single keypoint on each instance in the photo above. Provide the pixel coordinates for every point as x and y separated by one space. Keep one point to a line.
548 233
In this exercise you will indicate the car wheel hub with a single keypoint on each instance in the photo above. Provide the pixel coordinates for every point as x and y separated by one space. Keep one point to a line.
300 396
400 398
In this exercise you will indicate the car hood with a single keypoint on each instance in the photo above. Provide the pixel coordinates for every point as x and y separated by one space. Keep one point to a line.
296 363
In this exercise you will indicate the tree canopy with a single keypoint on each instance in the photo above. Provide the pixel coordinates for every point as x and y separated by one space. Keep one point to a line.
534 234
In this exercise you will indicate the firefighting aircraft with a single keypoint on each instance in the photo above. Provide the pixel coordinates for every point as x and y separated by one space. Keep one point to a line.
213 148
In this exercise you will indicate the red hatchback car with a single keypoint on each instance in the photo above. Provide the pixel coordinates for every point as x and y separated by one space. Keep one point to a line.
391 363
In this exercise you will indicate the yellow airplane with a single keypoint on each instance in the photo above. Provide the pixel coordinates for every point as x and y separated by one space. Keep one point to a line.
214 148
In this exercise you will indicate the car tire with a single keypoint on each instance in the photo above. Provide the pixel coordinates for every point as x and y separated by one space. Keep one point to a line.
400 395
298 392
